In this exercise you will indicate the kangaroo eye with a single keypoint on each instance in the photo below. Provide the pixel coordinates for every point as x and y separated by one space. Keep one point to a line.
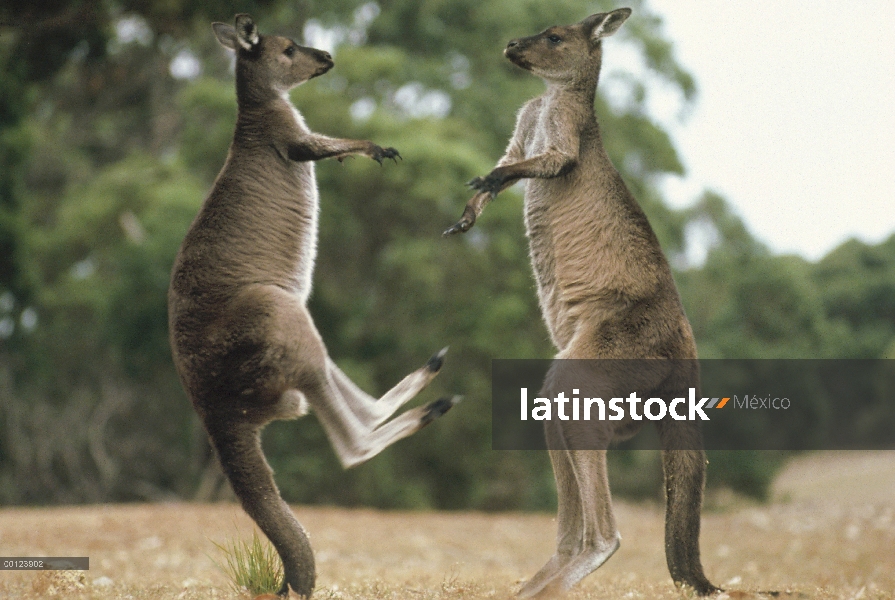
554 39
289 51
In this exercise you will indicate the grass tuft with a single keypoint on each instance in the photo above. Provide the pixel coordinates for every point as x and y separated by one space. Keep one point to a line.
252 566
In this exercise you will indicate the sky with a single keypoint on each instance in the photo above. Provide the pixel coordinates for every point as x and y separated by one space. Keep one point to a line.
794 122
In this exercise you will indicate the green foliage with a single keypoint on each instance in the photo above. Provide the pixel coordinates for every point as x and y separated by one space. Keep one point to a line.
252 566
101 262
748 472
208 109
859 292
105 158
746 303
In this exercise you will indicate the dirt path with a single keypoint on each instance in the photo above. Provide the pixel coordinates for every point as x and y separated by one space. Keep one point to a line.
839 547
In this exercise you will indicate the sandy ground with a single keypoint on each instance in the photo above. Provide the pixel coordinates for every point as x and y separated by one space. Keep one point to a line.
830 533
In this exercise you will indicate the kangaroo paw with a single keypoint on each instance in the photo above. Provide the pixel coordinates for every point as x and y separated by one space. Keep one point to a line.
434 364
438 408
463 225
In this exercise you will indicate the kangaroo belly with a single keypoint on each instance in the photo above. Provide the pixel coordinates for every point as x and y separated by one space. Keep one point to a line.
566 254
258 225
598 270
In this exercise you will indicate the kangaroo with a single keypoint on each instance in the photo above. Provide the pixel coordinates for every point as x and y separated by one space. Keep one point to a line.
242 338
605 291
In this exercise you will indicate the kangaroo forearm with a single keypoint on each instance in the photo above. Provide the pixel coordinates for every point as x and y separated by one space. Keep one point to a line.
477 204
318 148
481 199
473 209
543 166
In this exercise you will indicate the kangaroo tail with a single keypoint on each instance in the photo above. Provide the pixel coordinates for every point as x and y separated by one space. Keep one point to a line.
238 447
683 461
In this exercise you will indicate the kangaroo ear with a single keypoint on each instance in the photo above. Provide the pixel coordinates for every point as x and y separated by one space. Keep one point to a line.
246 31
605 24
226 35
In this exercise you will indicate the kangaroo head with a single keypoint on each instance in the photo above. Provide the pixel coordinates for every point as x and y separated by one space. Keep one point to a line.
269 62
566 53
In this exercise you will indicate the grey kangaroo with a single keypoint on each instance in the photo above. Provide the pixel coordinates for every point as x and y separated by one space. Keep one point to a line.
605 291
242 339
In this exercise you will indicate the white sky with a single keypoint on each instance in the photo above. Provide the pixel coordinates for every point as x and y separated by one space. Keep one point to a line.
795 119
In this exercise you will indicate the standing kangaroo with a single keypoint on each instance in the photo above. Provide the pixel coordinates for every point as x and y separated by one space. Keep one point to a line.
605 291
243 341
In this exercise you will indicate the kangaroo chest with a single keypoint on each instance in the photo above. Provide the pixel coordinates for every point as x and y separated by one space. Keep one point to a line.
561 219
542 199
307 204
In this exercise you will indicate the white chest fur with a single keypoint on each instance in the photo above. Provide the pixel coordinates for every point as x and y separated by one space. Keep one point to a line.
299 119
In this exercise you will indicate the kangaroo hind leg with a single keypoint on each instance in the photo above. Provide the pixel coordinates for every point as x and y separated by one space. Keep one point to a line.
598 535
369 411
291 364
568 525
352 439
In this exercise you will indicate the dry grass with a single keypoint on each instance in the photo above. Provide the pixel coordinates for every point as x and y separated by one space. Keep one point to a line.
842 547
253 566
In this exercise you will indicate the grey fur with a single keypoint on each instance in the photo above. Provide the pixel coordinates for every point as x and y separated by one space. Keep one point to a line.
243 341
605 291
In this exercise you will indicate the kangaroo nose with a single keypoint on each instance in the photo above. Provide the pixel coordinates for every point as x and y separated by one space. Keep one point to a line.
513 43
327 56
